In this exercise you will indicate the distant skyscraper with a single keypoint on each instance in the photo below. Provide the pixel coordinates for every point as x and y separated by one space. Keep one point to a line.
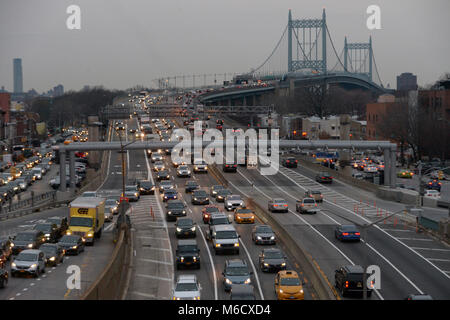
406 82
18 79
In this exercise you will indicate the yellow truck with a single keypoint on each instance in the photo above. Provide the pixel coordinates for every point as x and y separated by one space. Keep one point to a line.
86 218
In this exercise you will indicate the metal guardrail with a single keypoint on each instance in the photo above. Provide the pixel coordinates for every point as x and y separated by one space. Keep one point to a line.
35 201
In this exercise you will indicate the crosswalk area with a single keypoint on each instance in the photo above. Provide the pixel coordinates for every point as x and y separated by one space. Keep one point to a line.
153 267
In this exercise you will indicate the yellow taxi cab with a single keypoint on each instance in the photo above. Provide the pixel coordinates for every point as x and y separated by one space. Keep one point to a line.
244 215
405 174
288 286
67 141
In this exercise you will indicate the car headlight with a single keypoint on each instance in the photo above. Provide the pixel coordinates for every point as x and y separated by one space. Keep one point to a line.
136 194
12 244
68 232
301 290
266 264
272 238
90 234
47 235
33 266
217 245
169 212
283 264
195 199
236 244
52 259
280 291
74 247
258 237
182 259
184 211
228 281
30 245
178 229
13 264
193 229
247 281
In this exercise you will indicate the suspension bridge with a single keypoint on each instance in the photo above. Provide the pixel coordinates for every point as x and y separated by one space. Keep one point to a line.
305 54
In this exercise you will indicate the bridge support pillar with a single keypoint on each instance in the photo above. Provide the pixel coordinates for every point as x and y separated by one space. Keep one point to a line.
393 172
62 171
72 169
387 167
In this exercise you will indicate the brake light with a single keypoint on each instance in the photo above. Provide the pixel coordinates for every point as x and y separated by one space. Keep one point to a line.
346 284
287 160
302 205
296 161
315 205
285 205
345 234
357 233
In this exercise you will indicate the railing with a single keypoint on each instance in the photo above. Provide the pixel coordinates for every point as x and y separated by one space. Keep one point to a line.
21 207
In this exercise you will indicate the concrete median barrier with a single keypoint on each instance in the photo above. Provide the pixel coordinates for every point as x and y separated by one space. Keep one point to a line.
112 281
320 283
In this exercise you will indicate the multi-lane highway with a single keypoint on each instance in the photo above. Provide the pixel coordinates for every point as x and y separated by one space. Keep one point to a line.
410 263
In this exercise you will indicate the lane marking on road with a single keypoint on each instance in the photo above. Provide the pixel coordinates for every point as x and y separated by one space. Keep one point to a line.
313 228
154 277
155 261
431 249
439 260
414 239
153 238
254 269
375 226
151 296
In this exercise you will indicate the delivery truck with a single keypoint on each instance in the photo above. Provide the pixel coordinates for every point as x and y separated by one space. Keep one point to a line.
86 218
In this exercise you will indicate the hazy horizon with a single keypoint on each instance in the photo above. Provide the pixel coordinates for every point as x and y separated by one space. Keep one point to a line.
126 43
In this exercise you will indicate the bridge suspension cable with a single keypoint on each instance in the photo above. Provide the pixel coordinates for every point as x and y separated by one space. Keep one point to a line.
273 51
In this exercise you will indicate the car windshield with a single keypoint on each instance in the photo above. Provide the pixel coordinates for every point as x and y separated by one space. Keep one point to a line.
308 200
187 248
81 222
110 202
279 201
264 229
25 256
273 255
166 184
355 276
54 220
349 229
237 271
224 192
24 237
316 192
43 227
69 239
184 222
183 287
183 168
217 188
243 211
173 204
146 184
130 188
290 281
200 193
170 192
234 197
211 209
88 194
221 220
226 235
48 250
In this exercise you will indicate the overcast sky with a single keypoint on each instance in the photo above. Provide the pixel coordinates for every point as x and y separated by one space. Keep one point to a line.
127 42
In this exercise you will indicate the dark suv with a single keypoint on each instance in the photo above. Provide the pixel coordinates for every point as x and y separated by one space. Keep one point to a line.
349 279
61 224
175 209
31 239
324 177
50 230
188 254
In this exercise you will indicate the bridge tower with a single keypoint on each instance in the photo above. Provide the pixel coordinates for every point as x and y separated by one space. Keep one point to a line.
359 55
307 34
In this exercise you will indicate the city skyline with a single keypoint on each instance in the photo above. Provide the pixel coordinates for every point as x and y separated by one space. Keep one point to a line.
150 47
